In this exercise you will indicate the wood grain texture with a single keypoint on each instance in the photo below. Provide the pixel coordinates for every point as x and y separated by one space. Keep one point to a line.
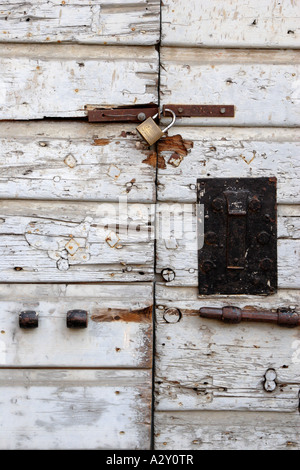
74 161
177 244
44 241
75 409
118 333
214 152
262 85
230 24
81 21
48 80
204 364
226 430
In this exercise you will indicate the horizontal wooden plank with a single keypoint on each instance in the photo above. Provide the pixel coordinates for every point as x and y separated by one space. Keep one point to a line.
225 430
44 241
83 21
48 80
75 161
190 153
118 333
204 364
177 244
262 85
230 24
65 409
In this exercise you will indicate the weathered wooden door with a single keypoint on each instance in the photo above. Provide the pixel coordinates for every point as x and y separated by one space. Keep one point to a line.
77 210
210 376
82 204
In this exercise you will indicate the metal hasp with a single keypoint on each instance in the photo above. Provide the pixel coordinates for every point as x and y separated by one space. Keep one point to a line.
281 316
239 253
76 319
201 110
134 114
28 319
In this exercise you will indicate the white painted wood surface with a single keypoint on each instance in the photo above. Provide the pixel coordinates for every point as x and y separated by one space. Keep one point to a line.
228 430
118 333
75 409
44 241
262 85
213 152
177 244
47 80
203 364
96 22
75 161
231 24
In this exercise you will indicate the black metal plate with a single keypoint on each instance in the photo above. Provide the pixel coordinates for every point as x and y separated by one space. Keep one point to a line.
239 254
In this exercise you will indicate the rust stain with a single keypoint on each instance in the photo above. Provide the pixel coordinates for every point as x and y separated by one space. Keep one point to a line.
161 162
142 315
151 159
176 144
101 142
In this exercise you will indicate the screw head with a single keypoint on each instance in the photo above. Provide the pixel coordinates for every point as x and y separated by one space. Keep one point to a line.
255 204
172 315
141 116
207 266
222 110
263 238
266 264
168 274
217 204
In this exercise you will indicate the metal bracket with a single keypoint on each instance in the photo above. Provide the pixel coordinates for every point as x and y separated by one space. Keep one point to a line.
239 255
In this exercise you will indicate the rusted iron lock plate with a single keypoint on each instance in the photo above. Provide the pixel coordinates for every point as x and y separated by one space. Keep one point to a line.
239 254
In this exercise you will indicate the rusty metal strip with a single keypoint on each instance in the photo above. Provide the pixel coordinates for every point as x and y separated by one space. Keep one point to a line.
133 114
230 314
200 110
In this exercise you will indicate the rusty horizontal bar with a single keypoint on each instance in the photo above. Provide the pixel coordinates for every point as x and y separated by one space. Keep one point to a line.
231 314
200 110
133 114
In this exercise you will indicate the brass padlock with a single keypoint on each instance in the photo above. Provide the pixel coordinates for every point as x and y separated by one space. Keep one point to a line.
150 131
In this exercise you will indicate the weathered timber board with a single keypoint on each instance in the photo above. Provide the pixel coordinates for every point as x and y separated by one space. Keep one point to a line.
231 24
118 332
44 241
177 244
204 364
75 161
48 80
75 409
97 22
190 153
262 85
225 430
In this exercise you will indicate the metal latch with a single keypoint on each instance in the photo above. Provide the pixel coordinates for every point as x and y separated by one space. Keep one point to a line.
141 113
282 316
239 255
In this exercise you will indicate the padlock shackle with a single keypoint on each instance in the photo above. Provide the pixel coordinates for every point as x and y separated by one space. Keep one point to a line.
173 120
